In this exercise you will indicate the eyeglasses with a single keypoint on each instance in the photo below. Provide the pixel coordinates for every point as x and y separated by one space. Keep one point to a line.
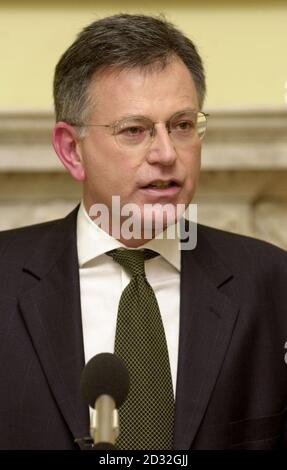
138 131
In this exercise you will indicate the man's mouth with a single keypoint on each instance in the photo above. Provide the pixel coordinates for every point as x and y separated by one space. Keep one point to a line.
159 184
158 189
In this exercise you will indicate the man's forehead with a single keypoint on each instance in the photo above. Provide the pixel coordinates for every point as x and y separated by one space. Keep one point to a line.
139 88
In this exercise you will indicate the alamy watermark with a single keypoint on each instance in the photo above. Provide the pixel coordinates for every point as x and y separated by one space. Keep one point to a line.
131 221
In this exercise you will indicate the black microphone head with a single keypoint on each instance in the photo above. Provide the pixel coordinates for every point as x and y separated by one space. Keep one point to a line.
105 374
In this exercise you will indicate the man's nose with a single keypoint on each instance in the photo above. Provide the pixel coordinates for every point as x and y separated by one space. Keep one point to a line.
162 149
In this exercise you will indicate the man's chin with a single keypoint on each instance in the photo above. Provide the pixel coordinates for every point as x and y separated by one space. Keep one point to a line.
149 225
136 222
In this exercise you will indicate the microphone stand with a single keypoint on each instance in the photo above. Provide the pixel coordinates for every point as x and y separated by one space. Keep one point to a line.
104 428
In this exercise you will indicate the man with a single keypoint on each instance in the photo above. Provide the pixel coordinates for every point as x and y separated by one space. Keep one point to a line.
128 96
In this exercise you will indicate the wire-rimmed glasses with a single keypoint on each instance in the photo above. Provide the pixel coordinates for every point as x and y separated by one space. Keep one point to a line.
134 132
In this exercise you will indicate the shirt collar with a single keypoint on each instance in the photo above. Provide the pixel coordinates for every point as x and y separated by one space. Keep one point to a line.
92 242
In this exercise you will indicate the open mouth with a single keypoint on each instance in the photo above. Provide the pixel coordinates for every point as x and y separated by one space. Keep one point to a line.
161 185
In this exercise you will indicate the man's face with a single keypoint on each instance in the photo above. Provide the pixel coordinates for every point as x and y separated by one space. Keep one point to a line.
163 172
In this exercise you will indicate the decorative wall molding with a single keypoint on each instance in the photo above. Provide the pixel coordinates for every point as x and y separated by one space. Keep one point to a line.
251 139
25 142
236 139
242 188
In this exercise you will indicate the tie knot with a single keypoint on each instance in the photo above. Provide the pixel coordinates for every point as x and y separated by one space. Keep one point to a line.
132 260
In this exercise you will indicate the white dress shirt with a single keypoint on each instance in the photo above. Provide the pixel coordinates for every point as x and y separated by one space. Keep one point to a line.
102 282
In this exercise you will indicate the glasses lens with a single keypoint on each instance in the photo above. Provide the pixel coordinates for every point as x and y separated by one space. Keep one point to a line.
201 124
184 126
133 132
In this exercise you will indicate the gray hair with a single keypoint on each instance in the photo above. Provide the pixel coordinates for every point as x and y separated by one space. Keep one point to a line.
119 42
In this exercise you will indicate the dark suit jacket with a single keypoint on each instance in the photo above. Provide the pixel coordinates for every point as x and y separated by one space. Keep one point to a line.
232 376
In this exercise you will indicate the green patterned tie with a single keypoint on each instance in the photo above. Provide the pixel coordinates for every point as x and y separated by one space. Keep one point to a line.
147 416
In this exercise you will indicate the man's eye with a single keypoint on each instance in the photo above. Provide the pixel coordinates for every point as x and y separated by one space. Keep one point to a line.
184 126
134 131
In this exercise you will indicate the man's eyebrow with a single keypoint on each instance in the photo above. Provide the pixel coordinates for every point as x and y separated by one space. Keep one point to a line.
185 110
132 116
141 116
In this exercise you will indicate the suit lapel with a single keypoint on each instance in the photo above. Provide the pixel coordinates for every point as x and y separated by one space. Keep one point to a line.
207 318
50 305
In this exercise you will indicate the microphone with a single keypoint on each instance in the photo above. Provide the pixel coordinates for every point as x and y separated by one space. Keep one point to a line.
105 385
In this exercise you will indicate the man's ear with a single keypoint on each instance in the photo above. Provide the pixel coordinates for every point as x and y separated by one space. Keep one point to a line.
64 138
